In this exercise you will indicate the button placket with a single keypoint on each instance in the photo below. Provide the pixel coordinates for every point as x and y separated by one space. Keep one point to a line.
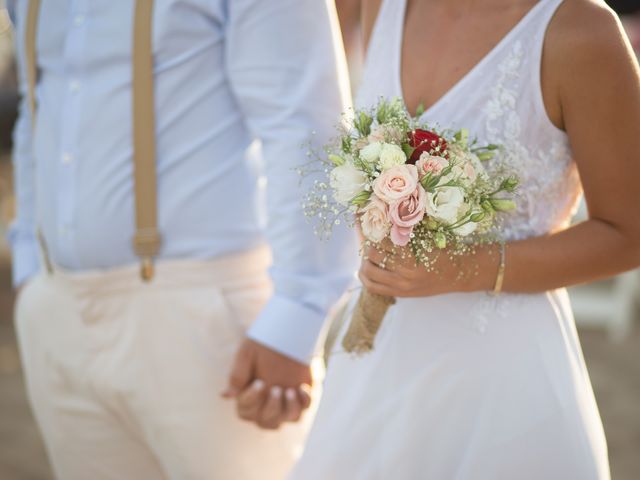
74 56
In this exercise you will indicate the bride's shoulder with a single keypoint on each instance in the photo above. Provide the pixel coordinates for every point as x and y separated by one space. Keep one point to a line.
583 27
585 50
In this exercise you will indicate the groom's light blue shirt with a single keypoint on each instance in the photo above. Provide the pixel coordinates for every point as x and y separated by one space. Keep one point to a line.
240 87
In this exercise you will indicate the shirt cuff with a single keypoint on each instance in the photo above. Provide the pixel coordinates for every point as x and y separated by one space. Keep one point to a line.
289 328
25 260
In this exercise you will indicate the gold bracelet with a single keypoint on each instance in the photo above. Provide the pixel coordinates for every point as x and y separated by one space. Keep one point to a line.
500 277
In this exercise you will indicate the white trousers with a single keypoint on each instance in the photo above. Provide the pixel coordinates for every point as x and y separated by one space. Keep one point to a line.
125 378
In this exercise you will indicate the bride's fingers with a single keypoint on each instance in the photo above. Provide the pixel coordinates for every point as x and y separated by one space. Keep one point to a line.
375 287
304 392
293 408
272 414
250 401
380 275
374 255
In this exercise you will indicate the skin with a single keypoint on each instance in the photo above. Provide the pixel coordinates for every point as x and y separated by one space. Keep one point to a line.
349 16
269 388
589 73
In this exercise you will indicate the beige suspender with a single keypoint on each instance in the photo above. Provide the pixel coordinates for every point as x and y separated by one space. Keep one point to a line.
146 241
32 74
30 35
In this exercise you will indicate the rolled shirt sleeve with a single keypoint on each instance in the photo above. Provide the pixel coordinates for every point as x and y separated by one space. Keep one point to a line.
287 70
22 233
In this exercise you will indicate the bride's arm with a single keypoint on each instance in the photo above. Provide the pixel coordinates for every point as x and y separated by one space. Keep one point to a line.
591 82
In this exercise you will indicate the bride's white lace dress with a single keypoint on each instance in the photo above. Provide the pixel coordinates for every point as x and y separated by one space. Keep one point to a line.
468 386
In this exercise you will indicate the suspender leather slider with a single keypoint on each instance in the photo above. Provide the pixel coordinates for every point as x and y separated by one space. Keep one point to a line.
147 269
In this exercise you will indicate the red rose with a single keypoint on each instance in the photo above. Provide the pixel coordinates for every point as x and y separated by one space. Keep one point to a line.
425 141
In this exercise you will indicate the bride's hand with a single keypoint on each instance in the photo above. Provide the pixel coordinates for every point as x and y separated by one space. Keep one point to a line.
396 274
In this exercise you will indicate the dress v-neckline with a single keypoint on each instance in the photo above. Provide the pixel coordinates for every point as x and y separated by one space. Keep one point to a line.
470 73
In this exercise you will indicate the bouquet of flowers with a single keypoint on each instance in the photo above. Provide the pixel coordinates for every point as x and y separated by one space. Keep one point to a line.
411 186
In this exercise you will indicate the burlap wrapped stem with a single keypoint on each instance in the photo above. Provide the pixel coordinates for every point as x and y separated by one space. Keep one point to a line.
365 321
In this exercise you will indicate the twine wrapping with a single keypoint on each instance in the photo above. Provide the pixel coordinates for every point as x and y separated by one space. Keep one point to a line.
365 322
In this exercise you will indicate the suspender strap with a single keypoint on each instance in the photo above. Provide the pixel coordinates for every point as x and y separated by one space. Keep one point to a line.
30 33
31 29
146 241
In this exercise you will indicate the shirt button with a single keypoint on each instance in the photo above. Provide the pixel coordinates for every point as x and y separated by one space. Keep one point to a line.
74 86
67 158
78 20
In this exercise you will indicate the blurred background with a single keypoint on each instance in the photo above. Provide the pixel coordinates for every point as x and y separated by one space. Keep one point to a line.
607 313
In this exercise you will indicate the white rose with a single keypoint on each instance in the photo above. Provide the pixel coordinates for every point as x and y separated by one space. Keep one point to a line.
458 174
466 229
390 156
371 153
445 203
347 182
374 220
478 166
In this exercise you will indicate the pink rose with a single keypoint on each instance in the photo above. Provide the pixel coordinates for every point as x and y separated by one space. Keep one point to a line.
396 183
405 214
374 220
430 164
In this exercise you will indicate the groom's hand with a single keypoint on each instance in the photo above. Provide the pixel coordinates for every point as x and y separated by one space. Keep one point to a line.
267 385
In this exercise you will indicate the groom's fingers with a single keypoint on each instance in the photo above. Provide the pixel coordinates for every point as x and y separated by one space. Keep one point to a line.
272 414
242 370
250 401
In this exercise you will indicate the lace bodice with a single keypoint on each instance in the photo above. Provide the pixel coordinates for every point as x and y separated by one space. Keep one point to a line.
499 101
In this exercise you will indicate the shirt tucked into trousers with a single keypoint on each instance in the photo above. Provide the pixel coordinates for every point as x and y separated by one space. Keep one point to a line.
124 377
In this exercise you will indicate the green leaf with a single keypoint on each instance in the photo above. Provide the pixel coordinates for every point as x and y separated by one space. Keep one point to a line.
420 110
484 156
336 160
346 144
433 183
478 217
363 124
462 136
431 223
361 199
487 206
440 239
424 181
503 205
383 113
408 149
509 184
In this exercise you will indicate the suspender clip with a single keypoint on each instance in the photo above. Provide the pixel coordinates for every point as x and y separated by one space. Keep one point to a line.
147 269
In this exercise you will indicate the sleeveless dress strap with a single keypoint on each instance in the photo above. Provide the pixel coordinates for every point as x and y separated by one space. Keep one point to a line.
537 32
